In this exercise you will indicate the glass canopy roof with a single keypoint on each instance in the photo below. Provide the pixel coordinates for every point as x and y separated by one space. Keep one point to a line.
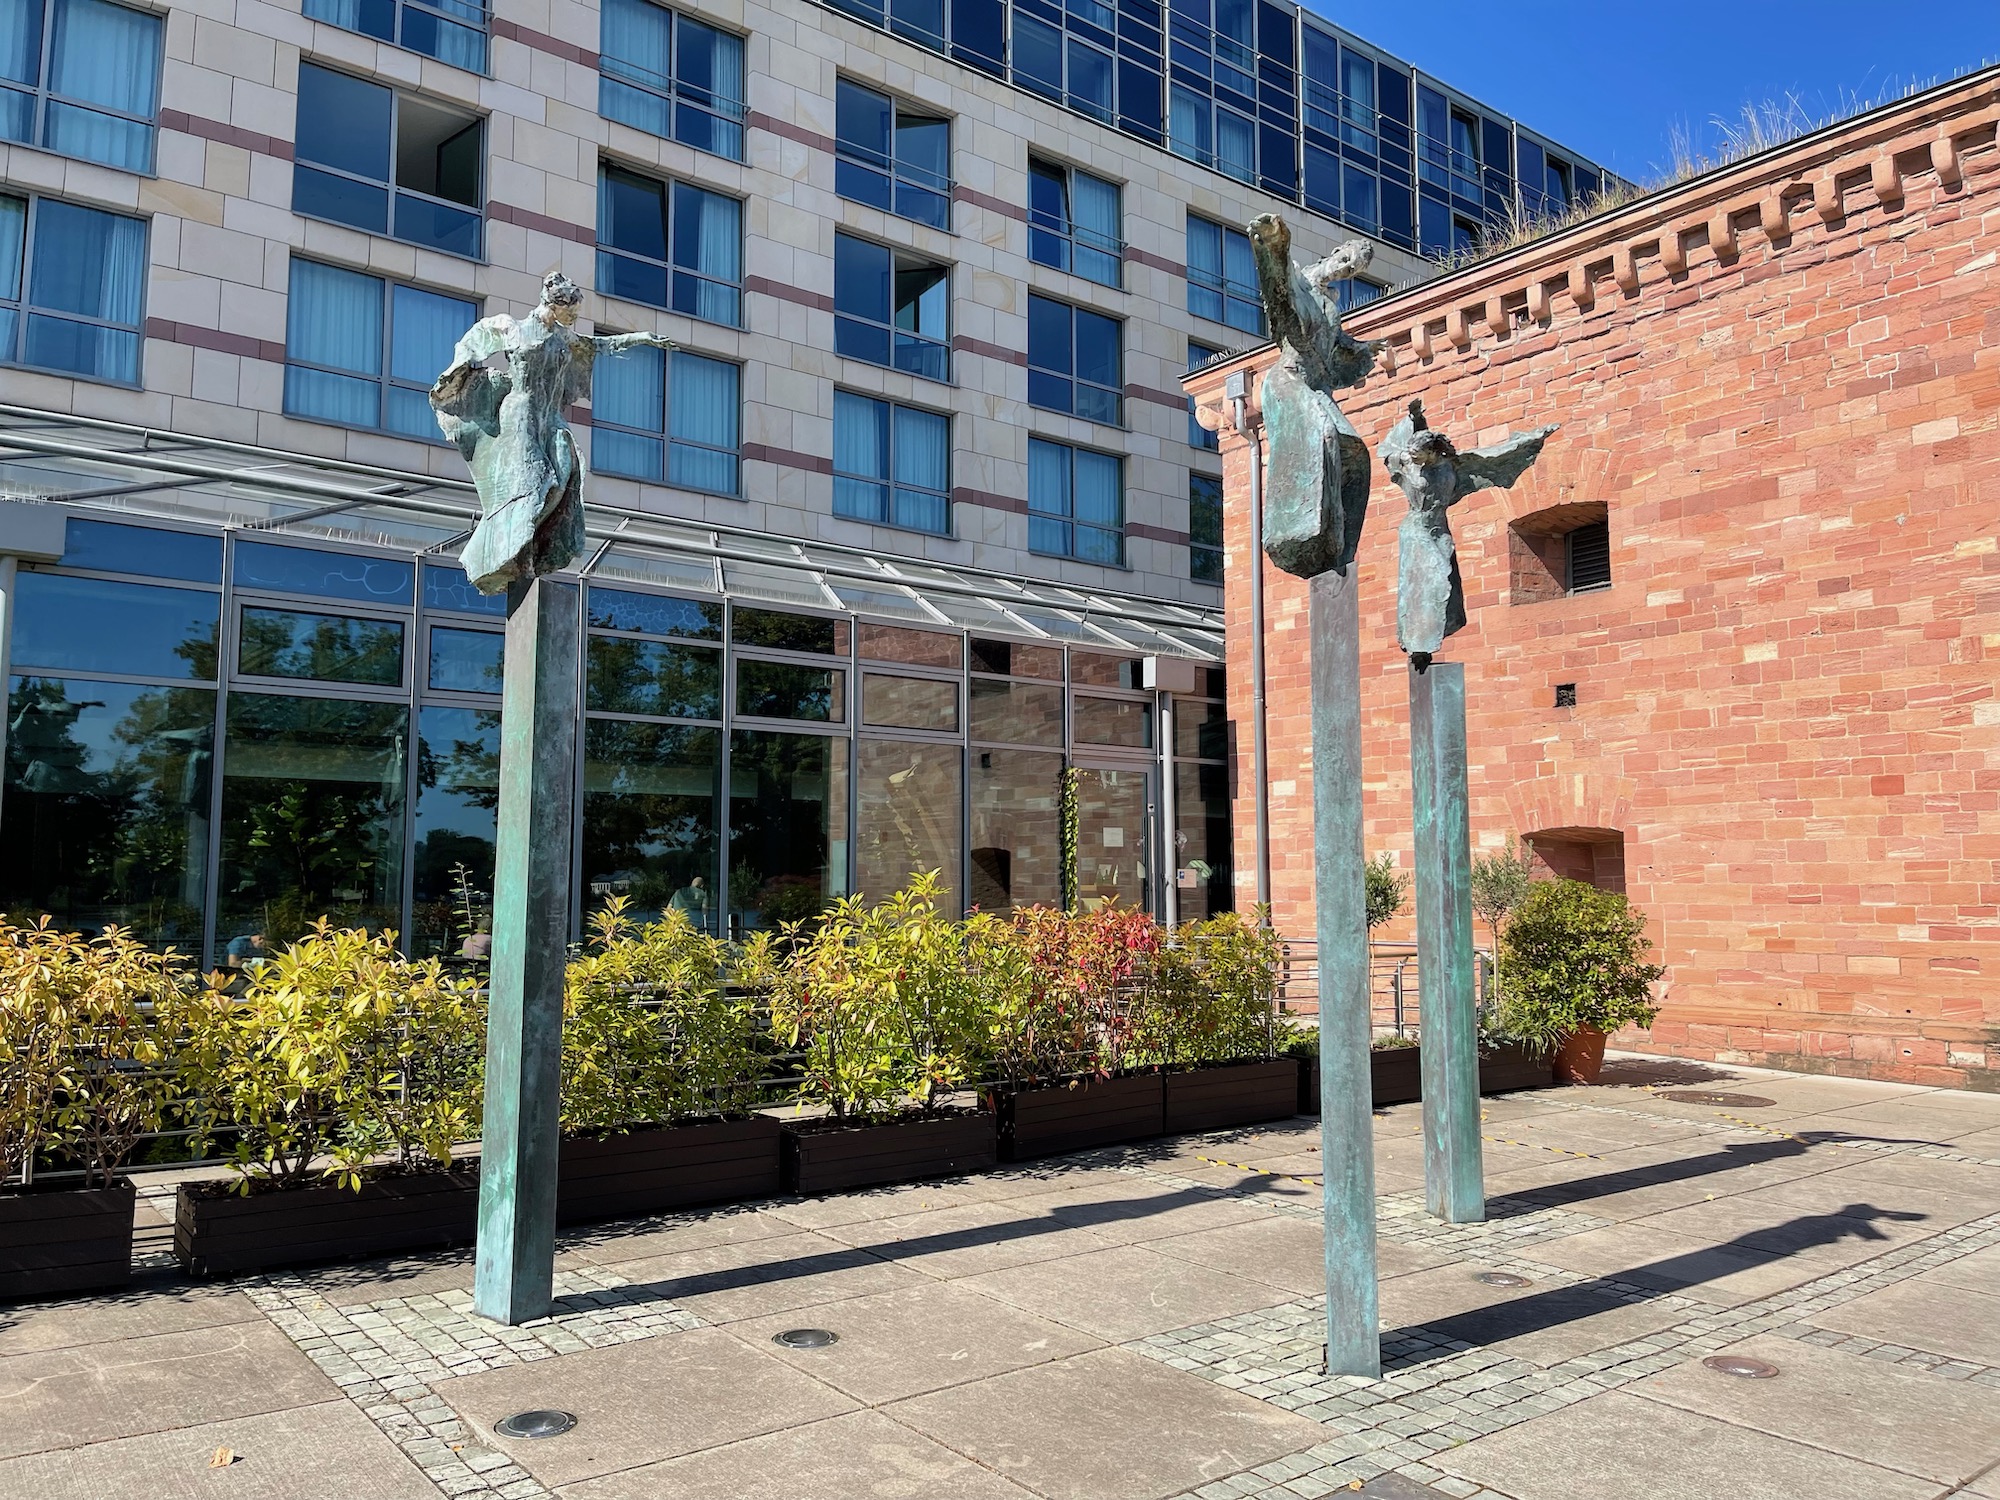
80 461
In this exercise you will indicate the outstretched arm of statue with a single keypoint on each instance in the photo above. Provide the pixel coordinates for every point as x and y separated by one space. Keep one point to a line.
1497 467
618 343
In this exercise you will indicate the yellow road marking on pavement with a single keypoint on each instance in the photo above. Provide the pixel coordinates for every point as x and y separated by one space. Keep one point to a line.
1501 1140
1237 1166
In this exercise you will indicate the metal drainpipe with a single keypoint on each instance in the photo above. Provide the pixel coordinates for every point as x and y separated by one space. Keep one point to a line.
1238 392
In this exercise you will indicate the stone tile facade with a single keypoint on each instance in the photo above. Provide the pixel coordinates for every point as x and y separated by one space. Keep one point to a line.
1782 382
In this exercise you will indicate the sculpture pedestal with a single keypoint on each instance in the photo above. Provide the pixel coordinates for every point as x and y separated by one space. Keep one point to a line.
531 889
1340 902
1454 1184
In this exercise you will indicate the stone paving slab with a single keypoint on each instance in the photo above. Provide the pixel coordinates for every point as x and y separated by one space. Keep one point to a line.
1125 1291
1960 1321
39 1327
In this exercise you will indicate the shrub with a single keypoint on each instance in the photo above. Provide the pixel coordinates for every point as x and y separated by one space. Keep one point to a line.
341 1056
1387 889
1063 992
86 1031
1209 992
651 1032
884 1001
1573 958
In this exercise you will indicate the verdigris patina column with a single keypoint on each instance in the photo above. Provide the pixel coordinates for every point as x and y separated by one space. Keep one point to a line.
509 426
1315 499
1430 605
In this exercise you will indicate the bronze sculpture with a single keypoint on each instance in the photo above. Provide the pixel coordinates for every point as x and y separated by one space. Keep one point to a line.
509 427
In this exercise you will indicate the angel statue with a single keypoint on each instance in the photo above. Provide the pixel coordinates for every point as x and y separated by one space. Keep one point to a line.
1434 475
509 426
1316 475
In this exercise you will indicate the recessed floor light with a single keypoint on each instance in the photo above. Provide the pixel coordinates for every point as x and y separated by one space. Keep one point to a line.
535 1424
1720 1101
805 1338
1740 1365
1501 1278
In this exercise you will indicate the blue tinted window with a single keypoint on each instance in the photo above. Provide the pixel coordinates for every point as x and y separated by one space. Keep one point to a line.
98 79
466 661
108 548
82 272
655 614
446 587
330 575
94 625
320 648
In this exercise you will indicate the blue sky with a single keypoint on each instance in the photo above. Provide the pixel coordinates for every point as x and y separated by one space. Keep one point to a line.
1610 79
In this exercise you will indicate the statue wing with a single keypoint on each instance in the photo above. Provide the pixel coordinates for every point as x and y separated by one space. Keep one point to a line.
1395 448
1497 467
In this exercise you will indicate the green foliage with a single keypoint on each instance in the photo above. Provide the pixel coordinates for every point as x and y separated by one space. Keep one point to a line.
1500 883
340 1056
1209 991
85 1029
884 1001
1063 996
1388 889
1573 958
1067 786
651 1033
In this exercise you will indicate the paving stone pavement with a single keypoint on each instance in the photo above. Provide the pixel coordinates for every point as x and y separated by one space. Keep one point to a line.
1473 1362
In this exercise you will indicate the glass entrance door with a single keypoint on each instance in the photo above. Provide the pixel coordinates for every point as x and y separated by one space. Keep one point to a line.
1114 843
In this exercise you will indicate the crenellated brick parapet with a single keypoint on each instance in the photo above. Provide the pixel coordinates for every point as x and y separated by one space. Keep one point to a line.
1777 727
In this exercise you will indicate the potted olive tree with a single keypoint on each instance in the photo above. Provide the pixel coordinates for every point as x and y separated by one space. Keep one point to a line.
661 1064
347 1075
883 1005
1574 968
86 1030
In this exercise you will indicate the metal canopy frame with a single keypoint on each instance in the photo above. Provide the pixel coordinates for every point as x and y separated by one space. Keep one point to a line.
142 472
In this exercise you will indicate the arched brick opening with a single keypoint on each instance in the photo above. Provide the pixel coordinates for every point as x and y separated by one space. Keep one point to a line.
1596 856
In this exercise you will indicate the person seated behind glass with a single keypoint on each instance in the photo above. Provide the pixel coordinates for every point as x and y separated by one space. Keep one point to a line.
245 952
691 898
478 942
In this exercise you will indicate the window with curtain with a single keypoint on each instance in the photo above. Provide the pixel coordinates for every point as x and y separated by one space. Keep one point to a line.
1074 223
1067 61
72 281
1191 125
387 163
669 418
891 463
452 31
892 157
93 91
1235 145
362 351
1075 362
671 76
891 308
1222 276
670 244
1199 436
1204 528
1076 503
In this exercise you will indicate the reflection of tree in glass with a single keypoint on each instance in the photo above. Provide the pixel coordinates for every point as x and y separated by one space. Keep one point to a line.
649 813
647 677
458 771
782 798
328 648
92 838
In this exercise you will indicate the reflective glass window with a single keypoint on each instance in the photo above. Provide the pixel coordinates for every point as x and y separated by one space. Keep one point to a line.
909 703
1201 728
312 818
1076 503
1205 528
891 463
1203 875
782 631
689 260
891 156
655 614
107 547
388 163
64 624
365 352
786 690
1016 849
92 91
328 575
466 661
1113 721
651 677
1098 670
446 587
1076 361
458 797
1074 222
671 76
650 828
1017 713
917 648
891 308
1012 659
72 282
1222 276
452 31
320 648
670 418
1199 436
105 813
787 825
908 796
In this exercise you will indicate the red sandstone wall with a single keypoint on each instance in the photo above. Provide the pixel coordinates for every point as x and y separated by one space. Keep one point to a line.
1786 701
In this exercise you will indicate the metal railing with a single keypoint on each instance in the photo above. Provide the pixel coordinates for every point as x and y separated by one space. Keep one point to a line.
1392 984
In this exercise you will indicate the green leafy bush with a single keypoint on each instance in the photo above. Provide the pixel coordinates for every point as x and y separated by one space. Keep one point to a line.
885 1002
652 1034
87 1029
1573 958
339 1058
1064 993
1209 991
1387 889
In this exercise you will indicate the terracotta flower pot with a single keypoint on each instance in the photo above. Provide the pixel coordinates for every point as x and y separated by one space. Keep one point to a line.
1581 1057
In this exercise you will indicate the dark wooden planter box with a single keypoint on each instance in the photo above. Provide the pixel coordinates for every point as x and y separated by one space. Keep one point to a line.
65 1239
1511 1066
225 1233
651 1171
822 1157
1232 1094
1397 1074
1053 1118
